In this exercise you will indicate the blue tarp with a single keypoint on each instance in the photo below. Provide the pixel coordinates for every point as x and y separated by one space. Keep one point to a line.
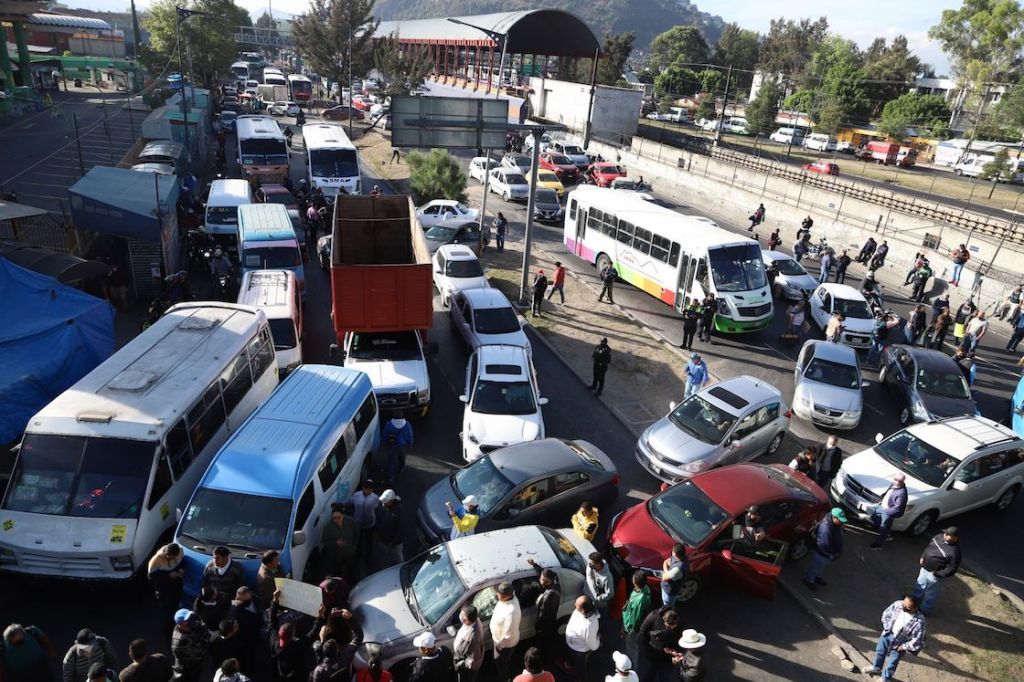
51 335
124 202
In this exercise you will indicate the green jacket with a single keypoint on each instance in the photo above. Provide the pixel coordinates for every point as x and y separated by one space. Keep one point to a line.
636 609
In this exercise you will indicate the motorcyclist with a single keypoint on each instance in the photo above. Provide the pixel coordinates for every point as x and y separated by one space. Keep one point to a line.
871 290
300 118
219 263
178 289
288 135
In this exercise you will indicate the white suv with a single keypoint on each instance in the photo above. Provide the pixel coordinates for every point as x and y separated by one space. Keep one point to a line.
951 465
456 268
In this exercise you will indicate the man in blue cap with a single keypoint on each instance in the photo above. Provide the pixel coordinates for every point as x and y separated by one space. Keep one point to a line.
190 644
696 375
828 545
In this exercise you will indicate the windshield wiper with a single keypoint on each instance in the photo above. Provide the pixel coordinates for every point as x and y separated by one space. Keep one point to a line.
414 604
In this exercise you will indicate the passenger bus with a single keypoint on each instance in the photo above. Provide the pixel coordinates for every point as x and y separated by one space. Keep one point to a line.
331 159
300 87
267 241
672 256
273 78
273 483
102 469
241 71
262 148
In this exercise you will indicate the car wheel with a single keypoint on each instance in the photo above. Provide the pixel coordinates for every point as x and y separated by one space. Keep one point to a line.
688 589
958 172
603 261
904 416
921 524
1006 499
506 196
776 442
798 550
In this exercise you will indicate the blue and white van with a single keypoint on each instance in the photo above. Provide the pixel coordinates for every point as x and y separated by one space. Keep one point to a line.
272 484
267 241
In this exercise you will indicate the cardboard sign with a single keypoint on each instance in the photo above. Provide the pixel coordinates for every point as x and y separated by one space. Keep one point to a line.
299 596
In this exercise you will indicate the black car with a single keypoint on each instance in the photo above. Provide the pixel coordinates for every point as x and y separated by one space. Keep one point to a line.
927 384
534 482
439 235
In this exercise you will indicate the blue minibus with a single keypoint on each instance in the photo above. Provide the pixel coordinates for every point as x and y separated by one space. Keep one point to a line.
267 241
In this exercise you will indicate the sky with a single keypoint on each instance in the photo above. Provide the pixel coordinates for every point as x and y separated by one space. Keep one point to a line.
859 20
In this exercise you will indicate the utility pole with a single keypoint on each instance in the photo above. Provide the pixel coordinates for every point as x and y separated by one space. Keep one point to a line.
180 14
78 143
351 102
587 125
725 103
528 236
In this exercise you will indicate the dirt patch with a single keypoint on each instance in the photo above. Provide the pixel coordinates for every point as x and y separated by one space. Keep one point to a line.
375 149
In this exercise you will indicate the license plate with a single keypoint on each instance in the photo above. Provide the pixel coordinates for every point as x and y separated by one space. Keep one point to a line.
851 500
827 421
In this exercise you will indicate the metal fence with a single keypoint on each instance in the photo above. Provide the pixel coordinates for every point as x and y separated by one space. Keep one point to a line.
48 231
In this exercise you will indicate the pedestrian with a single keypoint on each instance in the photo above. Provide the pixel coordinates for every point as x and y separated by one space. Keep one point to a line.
364 511
915 328
938 303
266 577
696 375
223 574
376 191
26 654
834 328
1018 333
805 227
88 649
98 673
880 253
795 317
800 248
465 518
227 643
607 276
330 667
533 668
673 571
468 647
623 669
961 317
892 506
879 336
230 670
825 267
774 240
145 667
903 631
249 616
398 439
707 317
210 607
1011 306
965 361
435 662
602 357
659 643
960 256
190 644
582 636
374 671
390 548
118 281
396 157
939 561
585 520
540 285
918 262
338 544
636 608
867 250
599 586
289 659
500 230
976 329
828 546
921 277
504 628
806 462
690 663
559 282
940 327
830 459
756 218
166 575
337 628
691 316
842 263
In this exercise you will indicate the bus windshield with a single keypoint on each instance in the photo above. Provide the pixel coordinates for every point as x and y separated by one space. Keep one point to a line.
333 163
737 268
78 476
271 257
222 215
263 151
236 520
282 330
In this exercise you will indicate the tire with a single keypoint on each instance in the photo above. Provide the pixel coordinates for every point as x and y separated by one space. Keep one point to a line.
959 173
904 416
603 261
689 589
1006 499
798 550
506 196
921 524
775 443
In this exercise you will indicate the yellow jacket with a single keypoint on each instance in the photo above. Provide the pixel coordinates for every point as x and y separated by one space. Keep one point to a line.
585 525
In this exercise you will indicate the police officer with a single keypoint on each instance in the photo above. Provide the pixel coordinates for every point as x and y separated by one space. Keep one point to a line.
602 356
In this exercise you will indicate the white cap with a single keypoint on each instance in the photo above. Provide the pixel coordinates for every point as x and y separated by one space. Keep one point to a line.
398 422
388 496
470 501
424 640
622 662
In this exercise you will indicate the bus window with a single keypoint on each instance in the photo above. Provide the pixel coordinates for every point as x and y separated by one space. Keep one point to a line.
261 353
331 467
702 273
178 449
673 254
642 240
162 481
237 382
365 416
206 417
660 247
305 508
572 210
625 234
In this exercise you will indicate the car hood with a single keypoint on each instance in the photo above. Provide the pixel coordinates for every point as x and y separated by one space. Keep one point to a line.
390 376
942 406
833 397
676 445
506 429
805 282
546 207
381 609
432 505
858 326
875 473
579 159
639 539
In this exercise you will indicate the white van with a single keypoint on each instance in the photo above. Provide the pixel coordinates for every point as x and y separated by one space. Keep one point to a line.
821 142
276 293
787 136
221 220
973 167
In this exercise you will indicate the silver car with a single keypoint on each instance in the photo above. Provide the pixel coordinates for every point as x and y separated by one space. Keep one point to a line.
546 208
828 385
485 317
792 283
427 593
732 421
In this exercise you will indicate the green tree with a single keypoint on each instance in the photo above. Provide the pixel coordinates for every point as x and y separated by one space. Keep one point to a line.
762 111
679 45
983 39
615 52
789 44
924 113
801 100
706 109
435 175
266 21
404 70
738 47
840 99
1009 112
833 51
676 80
895 64
207 41
330 31
998 167
711 80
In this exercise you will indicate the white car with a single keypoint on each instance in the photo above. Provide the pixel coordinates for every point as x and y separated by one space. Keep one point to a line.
821 142
283 109
444 211
792 282
788 136
510 184
951 465
503 401
840 298
545 141
478 167
827 389
519 162
484 317
456 268
573 151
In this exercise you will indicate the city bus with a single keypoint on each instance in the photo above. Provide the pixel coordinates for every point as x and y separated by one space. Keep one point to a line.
274 77
331 159
671 256
262 148
103 468
241 71
300 87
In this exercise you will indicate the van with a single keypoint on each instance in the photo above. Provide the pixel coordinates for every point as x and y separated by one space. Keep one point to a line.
276 293
272 484
788 136
735 125
821 142
267 241
221 220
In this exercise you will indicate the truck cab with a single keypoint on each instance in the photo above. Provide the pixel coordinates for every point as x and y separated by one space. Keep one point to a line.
396 363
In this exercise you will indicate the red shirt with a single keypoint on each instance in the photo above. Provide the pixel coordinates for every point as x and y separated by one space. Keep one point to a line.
560 275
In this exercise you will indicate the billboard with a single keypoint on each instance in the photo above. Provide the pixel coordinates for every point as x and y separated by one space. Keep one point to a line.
448 122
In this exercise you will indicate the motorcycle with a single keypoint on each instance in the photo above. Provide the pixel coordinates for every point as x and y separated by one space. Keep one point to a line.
224 287
157 307
200 249
874 299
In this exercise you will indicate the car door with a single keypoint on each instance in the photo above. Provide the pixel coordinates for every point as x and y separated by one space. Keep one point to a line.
751 567
902 376
804 359
981 480
751 435
429 216
439 268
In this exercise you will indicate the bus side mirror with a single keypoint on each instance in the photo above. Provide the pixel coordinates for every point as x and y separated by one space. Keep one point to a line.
298 538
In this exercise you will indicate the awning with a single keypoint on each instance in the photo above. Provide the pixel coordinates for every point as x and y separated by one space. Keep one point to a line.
63 267
12 211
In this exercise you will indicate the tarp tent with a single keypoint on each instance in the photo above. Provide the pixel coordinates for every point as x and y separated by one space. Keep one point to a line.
124 202
51 335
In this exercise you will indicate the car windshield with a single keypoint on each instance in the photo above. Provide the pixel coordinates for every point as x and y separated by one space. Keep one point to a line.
78 476
737 268
788 266
482 478
463 268
283 331
686 513
521 161
546 176
272 257
560 160
495 321
333 163
514 179
624 183
916 458
434 583
503 397
573 149
945 384
270 151
852 309
222 215
545 196
236 520
701 419
461 208
832 373
384 346
440 233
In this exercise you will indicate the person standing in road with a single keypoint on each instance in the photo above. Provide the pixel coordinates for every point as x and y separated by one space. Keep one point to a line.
842 263
398 439
903 631
190 645
584 521
659 643
468 647
938 303
1011 306
540 285
167 575
602 357
249 616
435 662
834 328
691 315
918 262
600 586
364 510
607 276
559 282
963 315
829 461
696 375
975 331
826 267
223 574
756 218
691 663
892 507
880 253
623 669
921 276
582 636
707 317
465 518
389 549
145 667
27 654
533 668
828 546
960 256
636 608
504 628
795 317
939 561
940 327
500 230
879 336
227 643
774 240
965 361
1018 333
867 250
806 462
913 330
547 613
88 649
673 570
266 576
338 544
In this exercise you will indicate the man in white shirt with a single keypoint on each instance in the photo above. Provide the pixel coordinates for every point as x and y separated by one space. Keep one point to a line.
582 636
505 630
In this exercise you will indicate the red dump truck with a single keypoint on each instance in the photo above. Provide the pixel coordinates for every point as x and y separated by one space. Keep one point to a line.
382 298
888 153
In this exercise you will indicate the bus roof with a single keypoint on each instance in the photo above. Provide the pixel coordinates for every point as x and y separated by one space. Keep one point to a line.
249 127
151 381
237 190
273 291
325 136
264 222
298 77
277 449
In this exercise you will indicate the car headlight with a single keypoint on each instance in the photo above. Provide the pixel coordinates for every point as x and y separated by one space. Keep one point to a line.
423 394
695 467
122 562
472 439
803 401
919 410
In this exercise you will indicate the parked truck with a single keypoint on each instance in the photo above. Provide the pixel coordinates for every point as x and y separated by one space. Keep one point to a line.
382 298
273 93
888 153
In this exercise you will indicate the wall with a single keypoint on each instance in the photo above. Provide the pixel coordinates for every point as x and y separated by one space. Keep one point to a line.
615 115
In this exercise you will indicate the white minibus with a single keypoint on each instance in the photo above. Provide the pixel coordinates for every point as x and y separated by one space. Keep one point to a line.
276 293
332 162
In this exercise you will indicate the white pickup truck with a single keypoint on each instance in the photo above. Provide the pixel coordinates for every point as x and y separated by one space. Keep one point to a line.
396 363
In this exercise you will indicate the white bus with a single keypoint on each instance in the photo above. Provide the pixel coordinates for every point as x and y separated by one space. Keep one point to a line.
103 468
671 256
262 148
331 159
300 87
273 78
241 71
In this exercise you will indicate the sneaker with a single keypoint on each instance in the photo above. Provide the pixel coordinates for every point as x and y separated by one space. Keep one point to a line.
871 670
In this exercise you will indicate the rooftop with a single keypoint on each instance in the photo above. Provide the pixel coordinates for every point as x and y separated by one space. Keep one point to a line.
485 556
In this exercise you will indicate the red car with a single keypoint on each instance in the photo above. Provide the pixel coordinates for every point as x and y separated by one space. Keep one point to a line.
823 167
562 166
342 112
602 174
706 513
362 102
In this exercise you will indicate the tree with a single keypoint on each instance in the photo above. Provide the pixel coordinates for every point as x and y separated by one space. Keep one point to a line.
894 63
675 80
840 98
330 31
711 80
762 111
738 47
615 52
266 21
680 45
208 47
789 44
403 69
924 113
435 175
706 109
983 39
1009 112
998 167
801 100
